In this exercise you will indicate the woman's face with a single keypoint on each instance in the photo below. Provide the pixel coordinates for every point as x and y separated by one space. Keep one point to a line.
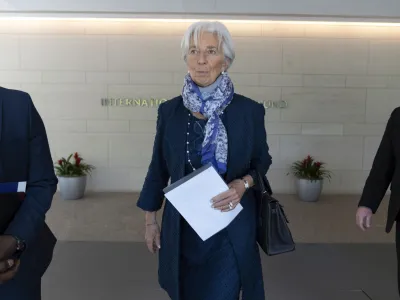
206 61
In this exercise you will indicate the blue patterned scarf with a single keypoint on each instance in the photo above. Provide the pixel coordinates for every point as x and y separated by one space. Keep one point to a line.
215 144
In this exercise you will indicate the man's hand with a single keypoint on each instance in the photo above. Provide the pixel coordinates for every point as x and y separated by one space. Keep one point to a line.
8 269
8 246
363 217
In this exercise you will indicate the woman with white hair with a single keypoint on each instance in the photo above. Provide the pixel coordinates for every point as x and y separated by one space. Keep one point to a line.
207 123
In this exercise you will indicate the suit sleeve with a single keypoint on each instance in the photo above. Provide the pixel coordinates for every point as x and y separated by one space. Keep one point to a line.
152 195
41 183
382 170
261 160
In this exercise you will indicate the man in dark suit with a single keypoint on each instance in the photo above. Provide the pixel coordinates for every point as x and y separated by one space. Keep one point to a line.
385 171
26 243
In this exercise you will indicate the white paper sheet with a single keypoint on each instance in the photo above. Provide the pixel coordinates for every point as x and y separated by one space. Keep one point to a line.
192 195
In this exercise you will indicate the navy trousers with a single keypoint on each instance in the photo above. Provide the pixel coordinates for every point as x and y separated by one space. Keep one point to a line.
216 279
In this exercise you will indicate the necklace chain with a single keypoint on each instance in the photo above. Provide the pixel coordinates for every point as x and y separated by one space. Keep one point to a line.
190 117
187 145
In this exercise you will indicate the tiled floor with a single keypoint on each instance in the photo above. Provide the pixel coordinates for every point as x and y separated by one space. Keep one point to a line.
101 254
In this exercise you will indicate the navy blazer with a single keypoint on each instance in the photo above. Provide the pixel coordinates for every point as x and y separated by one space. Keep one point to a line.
385 172
247 151
25 156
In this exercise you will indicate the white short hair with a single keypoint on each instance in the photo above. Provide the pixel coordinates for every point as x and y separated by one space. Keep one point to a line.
217 28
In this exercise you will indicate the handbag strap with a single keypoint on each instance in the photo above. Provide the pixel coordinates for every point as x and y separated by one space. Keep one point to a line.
261 183
261 198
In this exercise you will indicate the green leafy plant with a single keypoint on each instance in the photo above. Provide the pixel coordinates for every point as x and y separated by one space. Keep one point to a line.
73 166
310 169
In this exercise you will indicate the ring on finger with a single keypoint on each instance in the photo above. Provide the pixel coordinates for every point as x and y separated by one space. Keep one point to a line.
230 205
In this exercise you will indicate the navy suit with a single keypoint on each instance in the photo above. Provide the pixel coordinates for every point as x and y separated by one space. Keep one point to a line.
25 156
385 173
247 151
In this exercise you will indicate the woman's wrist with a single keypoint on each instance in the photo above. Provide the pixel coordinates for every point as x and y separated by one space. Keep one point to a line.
151 218
249 179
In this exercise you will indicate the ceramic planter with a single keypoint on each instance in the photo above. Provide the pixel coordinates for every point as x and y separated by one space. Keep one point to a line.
309 190
72 188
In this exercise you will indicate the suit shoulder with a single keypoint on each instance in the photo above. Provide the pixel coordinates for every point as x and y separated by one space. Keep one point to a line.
396 112
245 102
170 106
11 95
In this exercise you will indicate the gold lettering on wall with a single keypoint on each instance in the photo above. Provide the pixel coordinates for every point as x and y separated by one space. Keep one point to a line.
153 102
128 102
275 104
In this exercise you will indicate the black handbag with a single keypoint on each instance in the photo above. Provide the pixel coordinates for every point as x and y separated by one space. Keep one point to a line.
273 233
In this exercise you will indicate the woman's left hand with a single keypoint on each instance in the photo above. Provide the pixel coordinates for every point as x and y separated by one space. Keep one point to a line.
228 200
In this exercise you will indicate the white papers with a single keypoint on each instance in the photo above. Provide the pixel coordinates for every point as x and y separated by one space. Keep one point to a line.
192 195
22 186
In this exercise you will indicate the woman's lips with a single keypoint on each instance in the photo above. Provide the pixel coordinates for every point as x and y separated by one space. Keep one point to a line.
202 73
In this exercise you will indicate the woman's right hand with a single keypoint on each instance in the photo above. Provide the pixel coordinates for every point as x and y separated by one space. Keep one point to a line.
152 237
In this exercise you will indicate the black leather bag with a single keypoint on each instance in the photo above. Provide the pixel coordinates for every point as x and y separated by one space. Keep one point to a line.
273 233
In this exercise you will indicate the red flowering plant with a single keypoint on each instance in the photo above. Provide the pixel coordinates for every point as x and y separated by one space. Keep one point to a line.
310 169
72 168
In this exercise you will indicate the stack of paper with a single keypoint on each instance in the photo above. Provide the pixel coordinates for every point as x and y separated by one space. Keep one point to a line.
192 195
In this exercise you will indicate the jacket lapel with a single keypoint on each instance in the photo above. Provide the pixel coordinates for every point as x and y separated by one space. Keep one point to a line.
1 116
231 124
1 127
176 133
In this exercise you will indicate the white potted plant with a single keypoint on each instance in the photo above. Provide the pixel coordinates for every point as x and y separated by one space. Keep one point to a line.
72 176
310 175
